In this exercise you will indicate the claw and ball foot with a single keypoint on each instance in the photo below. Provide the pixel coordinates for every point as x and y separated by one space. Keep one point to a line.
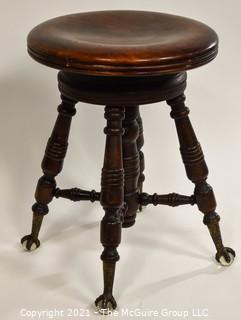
225 257
105 304
30 243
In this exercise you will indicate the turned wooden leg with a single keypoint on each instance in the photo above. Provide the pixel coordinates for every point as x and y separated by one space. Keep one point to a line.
131 165
51 165
112 201
140 143
197 172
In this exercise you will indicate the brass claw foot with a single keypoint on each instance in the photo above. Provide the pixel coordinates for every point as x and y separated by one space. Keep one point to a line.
105 304
29 243
226 256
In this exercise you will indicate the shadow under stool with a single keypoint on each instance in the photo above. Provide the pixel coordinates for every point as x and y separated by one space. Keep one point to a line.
122 60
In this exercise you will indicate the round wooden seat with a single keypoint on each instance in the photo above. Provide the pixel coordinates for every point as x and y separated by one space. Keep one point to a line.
126 43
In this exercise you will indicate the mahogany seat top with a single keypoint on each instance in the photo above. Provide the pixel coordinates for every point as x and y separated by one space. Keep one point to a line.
123 43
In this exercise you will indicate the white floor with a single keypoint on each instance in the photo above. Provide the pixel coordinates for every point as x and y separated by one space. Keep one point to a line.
167 262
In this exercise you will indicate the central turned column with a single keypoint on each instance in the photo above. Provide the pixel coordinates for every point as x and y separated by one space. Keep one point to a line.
131 164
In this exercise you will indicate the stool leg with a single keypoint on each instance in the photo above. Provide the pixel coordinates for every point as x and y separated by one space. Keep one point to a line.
197 172
131 164
112 201
140 143
51 165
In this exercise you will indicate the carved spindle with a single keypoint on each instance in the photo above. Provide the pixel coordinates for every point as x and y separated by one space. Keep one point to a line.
171 199
51 165
112 201
131 164
76 194
140 143
197 172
